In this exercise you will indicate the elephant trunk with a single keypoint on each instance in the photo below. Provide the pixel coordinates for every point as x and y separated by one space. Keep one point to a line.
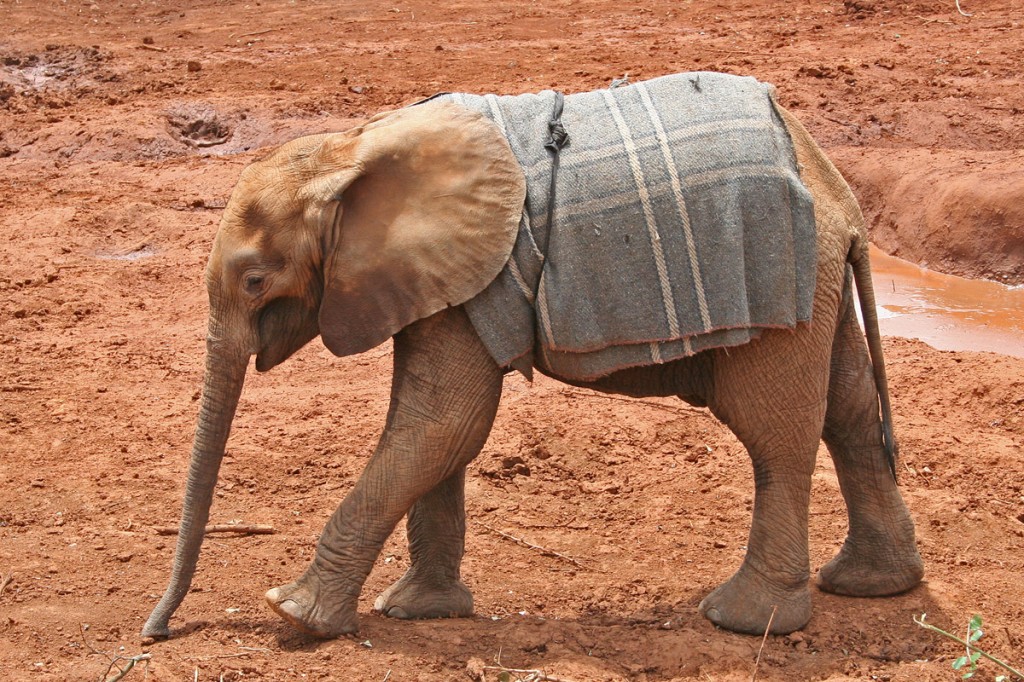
222 386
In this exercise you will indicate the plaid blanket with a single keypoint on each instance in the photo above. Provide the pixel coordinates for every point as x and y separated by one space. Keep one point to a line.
680 224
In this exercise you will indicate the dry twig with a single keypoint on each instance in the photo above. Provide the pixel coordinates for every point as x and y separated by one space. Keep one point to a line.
678 409
531 675
154 48
530 545
566 524
504 673
240 528
5 581
732 51
963 13
121 672
842 123
767 629
246 651
254 33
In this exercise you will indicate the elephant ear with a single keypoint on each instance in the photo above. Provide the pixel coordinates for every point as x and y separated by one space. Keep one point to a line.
430 201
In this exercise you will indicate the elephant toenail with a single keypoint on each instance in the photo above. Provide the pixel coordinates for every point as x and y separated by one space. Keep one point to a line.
398 612
291 608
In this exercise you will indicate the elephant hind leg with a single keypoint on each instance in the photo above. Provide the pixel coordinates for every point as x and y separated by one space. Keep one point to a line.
770 587
879 556
772 395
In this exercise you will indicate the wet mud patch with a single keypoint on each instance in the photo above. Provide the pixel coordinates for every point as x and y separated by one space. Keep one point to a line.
54 78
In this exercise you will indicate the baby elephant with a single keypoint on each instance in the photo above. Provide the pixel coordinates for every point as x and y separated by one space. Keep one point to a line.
682 236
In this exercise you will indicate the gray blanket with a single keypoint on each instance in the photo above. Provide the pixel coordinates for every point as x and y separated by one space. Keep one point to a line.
680 220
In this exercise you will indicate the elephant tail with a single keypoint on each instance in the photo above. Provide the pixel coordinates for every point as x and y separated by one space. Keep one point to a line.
858 259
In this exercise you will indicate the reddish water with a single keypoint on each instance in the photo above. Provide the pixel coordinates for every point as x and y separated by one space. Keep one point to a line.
946 312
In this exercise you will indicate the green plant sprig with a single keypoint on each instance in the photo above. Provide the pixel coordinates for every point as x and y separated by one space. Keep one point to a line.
974 654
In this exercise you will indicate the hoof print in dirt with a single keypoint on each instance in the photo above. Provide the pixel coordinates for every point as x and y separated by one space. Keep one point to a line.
198 126
860 7
507 469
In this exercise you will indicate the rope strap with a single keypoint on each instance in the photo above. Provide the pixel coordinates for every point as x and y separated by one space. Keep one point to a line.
557 140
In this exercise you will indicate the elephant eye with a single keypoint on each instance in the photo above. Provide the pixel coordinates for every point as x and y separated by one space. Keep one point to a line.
253 282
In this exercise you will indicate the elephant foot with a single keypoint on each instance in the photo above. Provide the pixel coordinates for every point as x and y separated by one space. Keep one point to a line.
309 610
746 602
865 574
413 597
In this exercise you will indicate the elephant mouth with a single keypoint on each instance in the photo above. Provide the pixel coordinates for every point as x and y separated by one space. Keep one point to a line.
265 362
284 326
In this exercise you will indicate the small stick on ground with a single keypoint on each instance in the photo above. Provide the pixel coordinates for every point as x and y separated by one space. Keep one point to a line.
254 33
202 144
734 51
842 123
567 524
767 629
240 528
154 48
5 581
531 675
530 545
1010 638
128 668
241 654
121 672
966 14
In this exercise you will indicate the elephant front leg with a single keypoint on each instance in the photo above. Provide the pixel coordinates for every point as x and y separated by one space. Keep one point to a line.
432 587
322 602
444 397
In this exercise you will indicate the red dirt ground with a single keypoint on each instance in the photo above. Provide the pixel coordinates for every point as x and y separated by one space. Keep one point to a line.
122 129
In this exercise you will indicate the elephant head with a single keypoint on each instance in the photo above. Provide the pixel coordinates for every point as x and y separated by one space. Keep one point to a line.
351 236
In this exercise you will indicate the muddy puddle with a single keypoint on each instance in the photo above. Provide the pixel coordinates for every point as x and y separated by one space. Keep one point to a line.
947 312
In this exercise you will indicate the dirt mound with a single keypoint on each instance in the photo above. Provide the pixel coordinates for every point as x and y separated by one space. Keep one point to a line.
957 211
